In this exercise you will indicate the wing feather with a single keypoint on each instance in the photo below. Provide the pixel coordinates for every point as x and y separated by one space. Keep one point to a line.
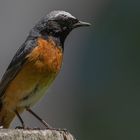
16 64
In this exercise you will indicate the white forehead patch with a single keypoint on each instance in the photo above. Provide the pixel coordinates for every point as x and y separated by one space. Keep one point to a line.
54 14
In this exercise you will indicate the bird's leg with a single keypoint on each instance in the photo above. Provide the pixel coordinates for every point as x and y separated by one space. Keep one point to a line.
40 119
19 117
43 122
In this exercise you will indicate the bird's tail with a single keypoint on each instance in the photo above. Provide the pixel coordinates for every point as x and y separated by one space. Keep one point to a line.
6 117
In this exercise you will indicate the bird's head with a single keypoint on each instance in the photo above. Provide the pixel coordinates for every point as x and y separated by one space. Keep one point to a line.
57 24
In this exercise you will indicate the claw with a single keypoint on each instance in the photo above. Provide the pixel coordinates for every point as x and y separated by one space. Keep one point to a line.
19 127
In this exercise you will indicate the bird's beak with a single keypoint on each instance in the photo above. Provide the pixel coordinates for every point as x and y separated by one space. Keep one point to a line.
80 24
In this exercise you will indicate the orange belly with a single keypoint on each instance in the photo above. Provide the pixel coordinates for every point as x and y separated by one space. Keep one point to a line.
40 69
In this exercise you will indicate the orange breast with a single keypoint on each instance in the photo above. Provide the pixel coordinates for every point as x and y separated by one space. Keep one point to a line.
40 69
46 56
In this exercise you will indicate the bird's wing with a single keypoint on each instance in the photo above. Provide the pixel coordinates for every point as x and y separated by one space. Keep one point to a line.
16 64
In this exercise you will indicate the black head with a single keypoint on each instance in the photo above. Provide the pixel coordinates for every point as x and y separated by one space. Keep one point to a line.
57 24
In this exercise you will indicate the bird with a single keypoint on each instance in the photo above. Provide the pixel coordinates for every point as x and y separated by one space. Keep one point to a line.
35 66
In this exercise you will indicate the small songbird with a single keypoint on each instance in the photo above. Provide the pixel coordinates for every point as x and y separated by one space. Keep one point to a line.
34 66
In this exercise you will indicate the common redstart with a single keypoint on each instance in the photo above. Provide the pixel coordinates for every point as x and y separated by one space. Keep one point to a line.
35 66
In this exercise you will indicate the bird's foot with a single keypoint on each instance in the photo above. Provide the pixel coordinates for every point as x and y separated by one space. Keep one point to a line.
58 129
36 128
19 127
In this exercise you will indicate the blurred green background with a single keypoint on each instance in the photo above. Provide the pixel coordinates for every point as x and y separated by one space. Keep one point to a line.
96 95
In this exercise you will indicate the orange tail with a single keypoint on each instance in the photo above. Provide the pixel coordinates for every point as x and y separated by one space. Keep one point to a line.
6 117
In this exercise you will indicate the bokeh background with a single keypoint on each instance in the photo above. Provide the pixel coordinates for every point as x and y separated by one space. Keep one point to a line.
96 95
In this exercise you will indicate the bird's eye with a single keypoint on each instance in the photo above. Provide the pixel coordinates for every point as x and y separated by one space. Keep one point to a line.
64 28
51 33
